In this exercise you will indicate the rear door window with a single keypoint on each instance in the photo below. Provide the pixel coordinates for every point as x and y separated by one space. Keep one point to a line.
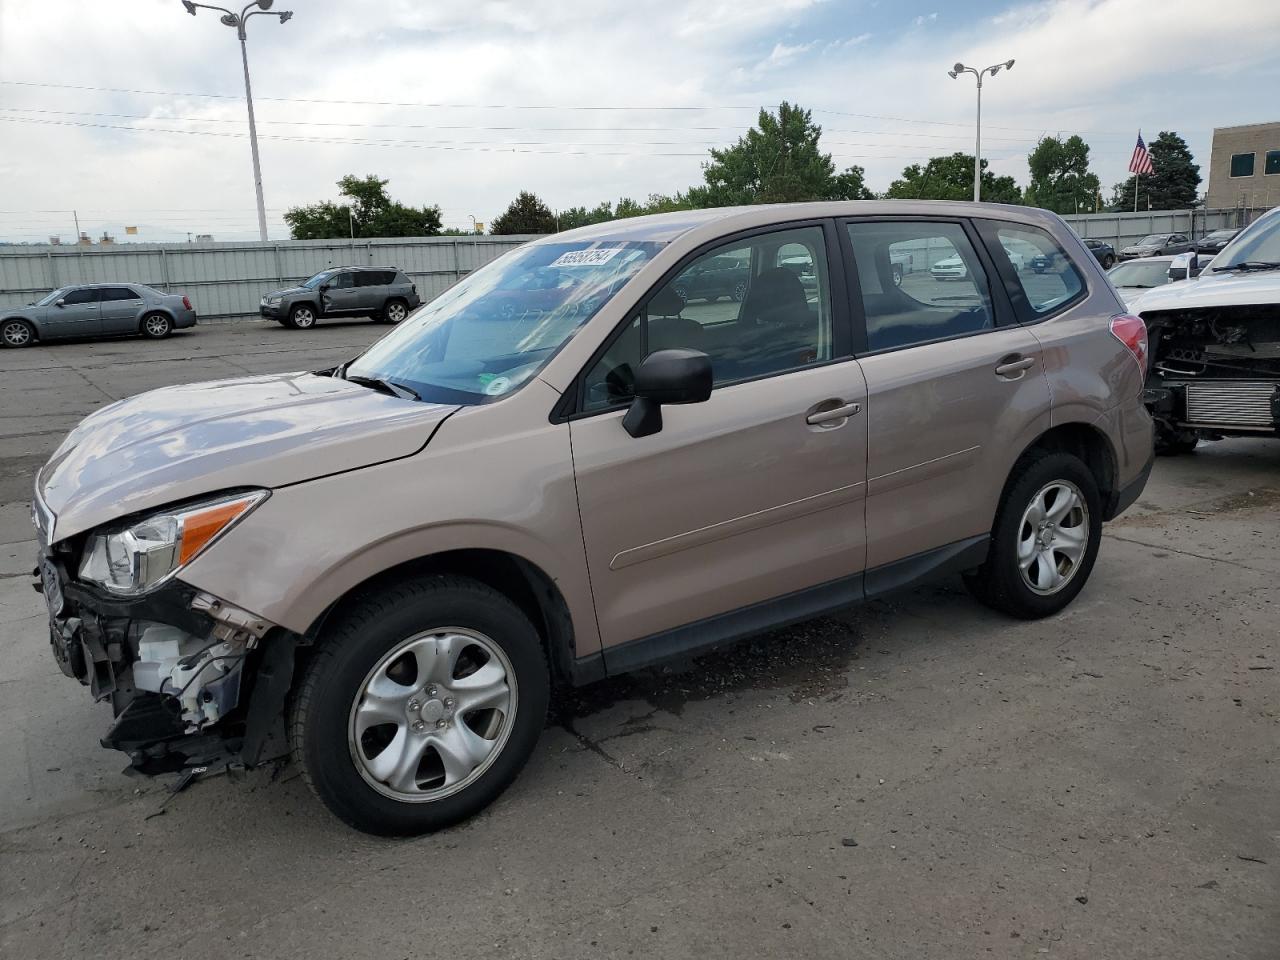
119 293
1048 279
919 281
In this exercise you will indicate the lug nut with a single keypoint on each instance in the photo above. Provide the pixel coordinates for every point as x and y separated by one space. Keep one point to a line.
413 704
419 725
448 701
441 724
431 691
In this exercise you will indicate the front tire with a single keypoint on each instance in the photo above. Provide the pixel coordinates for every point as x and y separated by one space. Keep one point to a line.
16 333
1108 262
421 704
1045 539
156 326
302 317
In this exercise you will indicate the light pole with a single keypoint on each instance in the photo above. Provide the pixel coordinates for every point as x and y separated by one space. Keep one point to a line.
954 72
239 20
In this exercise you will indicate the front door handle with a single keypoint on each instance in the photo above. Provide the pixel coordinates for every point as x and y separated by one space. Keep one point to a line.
1013 366
842 412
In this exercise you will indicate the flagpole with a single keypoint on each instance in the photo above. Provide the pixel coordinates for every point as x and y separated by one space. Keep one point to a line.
1137 179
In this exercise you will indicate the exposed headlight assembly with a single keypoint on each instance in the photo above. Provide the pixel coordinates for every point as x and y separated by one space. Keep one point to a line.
130 560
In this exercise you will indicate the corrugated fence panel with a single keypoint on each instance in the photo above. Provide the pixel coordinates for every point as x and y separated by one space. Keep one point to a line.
225 281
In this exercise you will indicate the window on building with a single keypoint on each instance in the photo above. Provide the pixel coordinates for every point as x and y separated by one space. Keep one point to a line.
1242 165
1272 166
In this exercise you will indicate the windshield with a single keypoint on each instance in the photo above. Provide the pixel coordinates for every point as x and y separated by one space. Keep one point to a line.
318 279
1152 273
50 297
490 333
1220 235
1259 242
1151 241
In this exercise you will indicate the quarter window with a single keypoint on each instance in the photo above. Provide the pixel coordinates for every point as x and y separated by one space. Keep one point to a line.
920 281
1047 276
756 307
1242 165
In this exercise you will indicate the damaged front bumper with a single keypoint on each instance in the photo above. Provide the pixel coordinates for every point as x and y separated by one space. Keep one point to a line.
192 680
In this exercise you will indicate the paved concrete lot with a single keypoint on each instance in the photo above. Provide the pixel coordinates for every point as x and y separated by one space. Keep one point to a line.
916 778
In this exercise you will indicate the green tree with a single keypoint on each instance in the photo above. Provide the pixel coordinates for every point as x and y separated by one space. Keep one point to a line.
776 161
951 178
581 217
1174 185
368 212
526 214
1060 177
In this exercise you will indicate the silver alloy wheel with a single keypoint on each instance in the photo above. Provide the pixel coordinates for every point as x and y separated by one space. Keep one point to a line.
303 318
396 312
1053 537
432 715
17 334
156 325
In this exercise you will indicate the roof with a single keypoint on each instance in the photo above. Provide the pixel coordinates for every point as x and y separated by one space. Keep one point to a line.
665 227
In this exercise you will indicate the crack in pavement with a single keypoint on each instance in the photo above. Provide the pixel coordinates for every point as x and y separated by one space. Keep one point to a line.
1189 553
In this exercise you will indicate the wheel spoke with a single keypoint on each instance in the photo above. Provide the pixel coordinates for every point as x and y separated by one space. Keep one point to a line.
383 703
1064 502
1071 541
484 690
1027 550
1036 512
1047 576
437 656
398 761
461 750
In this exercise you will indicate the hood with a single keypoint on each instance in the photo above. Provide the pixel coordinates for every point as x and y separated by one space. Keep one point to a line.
1215 290
288 292
180 442
1134 248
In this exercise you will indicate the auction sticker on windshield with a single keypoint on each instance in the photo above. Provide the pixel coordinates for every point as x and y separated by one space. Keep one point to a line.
586 258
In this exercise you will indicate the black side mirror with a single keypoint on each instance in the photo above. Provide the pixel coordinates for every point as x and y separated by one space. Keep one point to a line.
666 376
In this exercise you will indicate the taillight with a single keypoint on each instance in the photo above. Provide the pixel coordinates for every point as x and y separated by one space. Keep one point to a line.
1132 332
186 302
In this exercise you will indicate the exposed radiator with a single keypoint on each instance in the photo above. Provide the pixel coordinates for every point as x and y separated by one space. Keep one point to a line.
1232 402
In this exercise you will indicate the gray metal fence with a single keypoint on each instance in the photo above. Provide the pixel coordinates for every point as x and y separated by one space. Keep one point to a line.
1122 229
225 281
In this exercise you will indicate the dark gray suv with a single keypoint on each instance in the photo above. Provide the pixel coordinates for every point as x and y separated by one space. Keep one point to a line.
383 293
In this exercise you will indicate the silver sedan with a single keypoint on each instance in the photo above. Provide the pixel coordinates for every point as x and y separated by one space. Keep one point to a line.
96 309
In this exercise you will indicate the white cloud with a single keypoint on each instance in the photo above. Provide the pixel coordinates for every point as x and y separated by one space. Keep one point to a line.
922 19
1099 67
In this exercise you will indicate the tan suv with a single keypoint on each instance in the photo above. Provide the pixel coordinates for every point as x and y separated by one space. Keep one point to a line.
560 469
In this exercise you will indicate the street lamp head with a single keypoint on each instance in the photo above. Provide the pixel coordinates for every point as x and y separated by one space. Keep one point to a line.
191 7
952 74
285 15
1008 64
230 19
265 4
957 69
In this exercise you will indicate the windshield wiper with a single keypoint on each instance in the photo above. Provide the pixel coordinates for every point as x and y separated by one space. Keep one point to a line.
385 386
1249 265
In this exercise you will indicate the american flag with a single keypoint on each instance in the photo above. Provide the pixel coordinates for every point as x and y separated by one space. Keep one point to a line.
1141 161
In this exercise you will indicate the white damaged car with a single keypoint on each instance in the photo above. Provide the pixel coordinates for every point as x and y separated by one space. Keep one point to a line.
1214 344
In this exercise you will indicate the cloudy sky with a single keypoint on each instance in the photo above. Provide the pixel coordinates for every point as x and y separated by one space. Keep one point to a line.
131 112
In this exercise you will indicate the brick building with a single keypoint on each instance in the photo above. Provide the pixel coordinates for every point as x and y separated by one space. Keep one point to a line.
1244 167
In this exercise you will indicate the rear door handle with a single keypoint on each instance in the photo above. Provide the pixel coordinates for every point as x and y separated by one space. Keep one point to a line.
1014 364
843 412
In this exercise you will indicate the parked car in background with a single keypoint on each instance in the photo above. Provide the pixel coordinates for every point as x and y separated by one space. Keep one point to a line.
1103 252
405 554
1215 345
1213 243
94 310
384 293
1155 245
954 268
725 276
1133 278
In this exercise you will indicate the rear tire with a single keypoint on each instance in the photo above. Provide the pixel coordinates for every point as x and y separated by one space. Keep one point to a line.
395 311
16 333
1033 570
156 326
1108 263
1176 446
358 698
